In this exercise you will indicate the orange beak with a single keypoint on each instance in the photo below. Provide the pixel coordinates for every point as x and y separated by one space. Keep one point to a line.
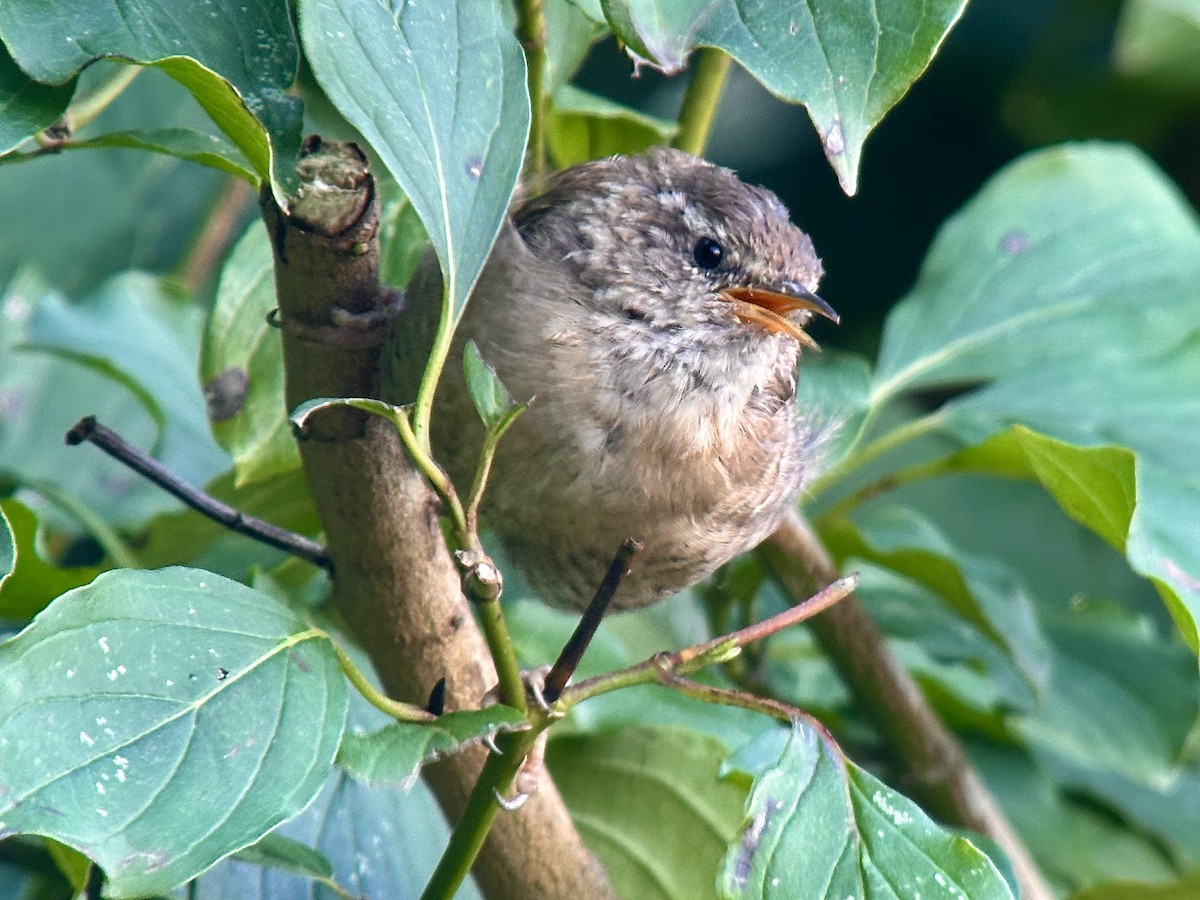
767 308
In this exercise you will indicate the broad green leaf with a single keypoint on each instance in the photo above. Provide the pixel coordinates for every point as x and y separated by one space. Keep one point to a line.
237 59
125 354
182 143
1119 699
981 591
27 106
241 364
648 802
1069 288
110 211
1095 486
275 851
848 63
819 826
27 582
492 400
832 395
402 238
1075 843
8 547
75 867
147 691
583 126
136 330
1159 40
381 841
438 89
395 754
1185 888
1065 254
570 33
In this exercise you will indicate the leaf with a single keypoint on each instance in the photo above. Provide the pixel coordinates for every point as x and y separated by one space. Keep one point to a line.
438 90
147 690
570 34
237 59
491 398
848 63
819 826
1120 698
981 591
1065 252
26 106
1186 888
1159 40
108 211
584 126
395 754
8 547
241 364
1069 287
278 852
126 354
182 143
29 583
647 801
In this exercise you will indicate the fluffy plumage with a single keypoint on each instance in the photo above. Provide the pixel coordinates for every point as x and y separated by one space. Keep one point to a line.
658 413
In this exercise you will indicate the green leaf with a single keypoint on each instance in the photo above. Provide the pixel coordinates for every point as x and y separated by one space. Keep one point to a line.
438 89
147 690
241 364
583 126
1120 698
126 354
395 754
27 106
1095 486
848 63
275 851
1069 286
29 583
570 33
648 802
1065 253
492 400
182 143
981 591
8 547
1186 888
75 867
819 826
1159 40
237 59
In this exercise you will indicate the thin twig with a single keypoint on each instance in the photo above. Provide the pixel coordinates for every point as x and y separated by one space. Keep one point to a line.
710 68
572 652
89 430
657 668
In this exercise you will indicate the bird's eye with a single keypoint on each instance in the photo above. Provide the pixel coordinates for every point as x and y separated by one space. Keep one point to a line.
708 253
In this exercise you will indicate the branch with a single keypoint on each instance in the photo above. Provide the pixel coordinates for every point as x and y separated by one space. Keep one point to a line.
89 430
946 783
396 584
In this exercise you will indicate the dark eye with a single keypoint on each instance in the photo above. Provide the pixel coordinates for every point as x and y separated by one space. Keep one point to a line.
708 253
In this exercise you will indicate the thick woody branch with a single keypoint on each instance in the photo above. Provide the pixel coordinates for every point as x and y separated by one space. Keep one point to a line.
395 581
945 782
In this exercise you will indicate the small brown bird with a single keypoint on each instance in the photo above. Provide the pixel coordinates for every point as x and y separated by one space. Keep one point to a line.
651 308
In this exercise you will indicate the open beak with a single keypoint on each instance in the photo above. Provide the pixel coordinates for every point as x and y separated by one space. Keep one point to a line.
768 308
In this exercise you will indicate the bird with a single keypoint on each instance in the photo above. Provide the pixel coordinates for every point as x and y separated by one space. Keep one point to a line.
650 309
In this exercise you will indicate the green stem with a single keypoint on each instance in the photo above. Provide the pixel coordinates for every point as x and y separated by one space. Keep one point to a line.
531 31
504 655
96 526
402 712
423 407
710 67
85 110
437 478
468 836
883 444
